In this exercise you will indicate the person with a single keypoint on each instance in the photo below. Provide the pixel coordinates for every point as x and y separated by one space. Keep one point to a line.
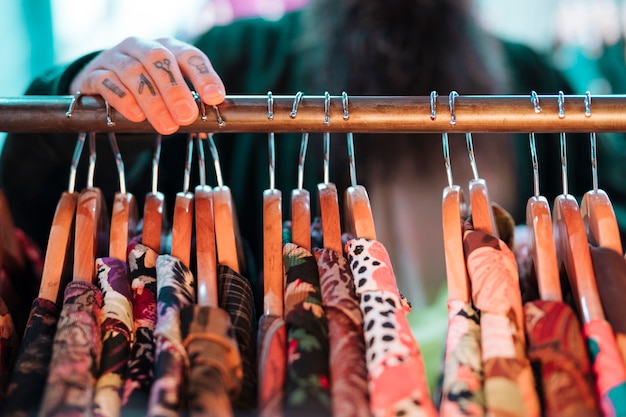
378 47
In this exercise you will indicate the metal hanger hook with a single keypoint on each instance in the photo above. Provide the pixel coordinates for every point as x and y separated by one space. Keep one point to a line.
92 160
109 111
534 99
593 144
350 140
588 103
201 160
156 157
220 121
433 105
563 150
326 108
535 163
200 105
344 105
446 157
472 157
188 160
119 162
561 102
78 150
451 103
216 161
72 107
296 103
270 106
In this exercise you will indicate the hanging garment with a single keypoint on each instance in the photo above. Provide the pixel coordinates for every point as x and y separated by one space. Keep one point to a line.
557 351
215 365
75 353
509 383
9 346
116 322
610 271
308 382
236 298
175 290
348 370
272 360
140 369
30 373
462 387
396 375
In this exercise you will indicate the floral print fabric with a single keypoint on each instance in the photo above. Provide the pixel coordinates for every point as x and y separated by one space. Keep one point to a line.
116 322
140 369
396 376
557 349
28 379
348 384
509 383
272 354
175 291
9 346
75 354
462 388
307 386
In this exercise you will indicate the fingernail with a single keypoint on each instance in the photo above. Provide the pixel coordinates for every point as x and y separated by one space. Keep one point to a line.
136 113
164 125
184 111
213 91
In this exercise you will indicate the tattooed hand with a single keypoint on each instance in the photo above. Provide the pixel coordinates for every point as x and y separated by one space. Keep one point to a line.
143 79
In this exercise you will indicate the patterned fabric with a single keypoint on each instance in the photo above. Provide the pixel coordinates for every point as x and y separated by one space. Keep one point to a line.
307 386
462 388
215 365
236 298
75 353
175 290
610 271
140 369
116 322
9 346
348 377
28 379
607 367
272 354
509 383
557 350
396 374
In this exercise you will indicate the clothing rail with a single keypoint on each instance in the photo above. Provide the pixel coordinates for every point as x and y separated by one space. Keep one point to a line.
374 114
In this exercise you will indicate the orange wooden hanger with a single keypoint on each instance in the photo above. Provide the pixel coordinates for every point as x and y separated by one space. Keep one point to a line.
596 207
328 197
301 198
539 223
182 224
60 236
359 218
91 220
451 209
124 215
224 216
273 274
572 246
154 207
206 255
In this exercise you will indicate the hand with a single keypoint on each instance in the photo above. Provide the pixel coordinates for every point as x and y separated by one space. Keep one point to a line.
143 79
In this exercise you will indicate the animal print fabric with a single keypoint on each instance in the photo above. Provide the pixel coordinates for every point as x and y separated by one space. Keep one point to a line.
308 381
272 354
348 377
557 350
116 322
462 387
509 383
396 376
175 291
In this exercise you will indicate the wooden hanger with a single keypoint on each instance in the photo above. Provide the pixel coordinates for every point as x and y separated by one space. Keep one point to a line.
301 198
182 225
154 207
539 223
573 248
124 215
60 236
206 255
452 209
91 221
359 218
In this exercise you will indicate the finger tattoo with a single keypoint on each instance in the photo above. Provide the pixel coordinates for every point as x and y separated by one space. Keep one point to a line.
114 88
145 82
164 65
199 64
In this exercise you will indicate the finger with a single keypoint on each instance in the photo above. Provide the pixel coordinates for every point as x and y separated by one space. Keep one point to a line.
195 65
161 67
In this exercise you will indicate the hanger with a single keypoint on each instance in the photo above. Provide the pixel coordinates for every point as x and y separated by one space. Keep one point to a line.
60 236
273 274
327 194
482 215
124 216
359 218
154 206
206 255
596 207
182 225
572 246
90 222
301 198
